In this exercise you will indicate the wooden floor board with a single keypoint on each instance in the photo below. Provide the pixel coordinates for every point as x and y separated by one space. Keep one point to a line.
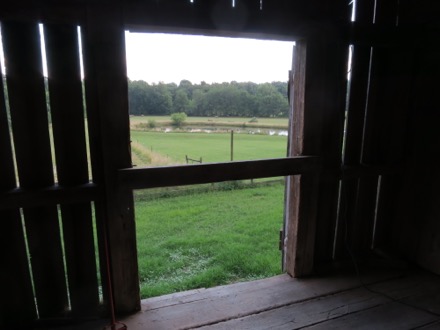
385 317
432 326
380 300
296 316
216 305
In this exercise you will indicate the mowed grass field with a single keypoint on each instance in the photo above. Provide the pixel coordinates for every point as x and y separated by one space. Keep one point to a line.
209 239
213 147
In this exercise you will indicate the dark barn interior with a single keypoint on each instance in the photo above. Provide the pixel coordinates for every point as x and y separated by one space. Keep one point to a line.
362 227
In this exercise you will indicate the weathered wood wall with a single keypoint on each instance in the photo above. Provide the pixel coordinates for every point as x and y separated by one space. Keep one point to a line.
370 134
415 232
58 275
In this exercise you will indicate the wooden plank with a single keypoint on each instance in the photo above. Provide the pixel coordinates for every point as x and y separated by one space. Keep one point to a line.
220 304
415 231
334 85
394 100
300 315
349 215
389 316
295 148
432 326
320 72
66 102
417 234
106 84
15 281
357 103
140 178
382 125
287 19
31 139
22 197
418 291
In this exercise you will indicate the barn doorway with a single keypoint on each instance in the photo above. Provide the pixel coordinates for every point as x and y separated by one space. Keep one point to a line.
197 100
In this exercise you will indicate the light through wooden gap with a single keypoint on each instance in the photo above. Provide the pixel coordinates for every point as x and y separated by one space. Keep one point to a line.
364 129
376 208
352 3
83 93
28 254
339 222
47 99
8 109
98 264
63 251
341 214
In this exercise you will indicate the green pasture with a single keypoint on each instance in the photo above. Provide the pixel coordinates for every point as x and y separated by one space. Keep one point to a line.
213 147
204 240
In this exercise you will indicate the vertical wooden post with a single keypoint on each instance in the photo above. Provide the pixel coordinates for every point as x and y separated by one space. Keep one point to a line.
301 190
107 105
316 129
232 145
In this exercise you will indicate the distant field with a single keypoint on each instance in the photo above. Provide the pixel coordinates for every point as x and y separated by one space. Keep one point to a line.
224 121
211 147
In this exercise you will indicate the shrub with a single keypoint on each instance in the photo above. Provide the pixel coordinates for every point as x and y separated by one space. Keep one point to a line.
254 120
151 123
178 118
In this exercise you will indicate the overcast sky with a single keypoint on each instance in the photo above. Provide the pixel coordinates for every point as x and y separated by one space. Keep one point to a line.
155 57
158 57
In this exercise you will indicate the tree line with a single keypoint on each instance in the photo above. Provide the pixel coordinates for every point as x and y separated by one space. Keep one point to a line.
238 99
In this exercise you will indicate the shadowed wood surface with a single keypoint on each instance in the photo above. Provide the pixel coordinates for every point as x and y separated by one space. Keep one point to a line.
375 300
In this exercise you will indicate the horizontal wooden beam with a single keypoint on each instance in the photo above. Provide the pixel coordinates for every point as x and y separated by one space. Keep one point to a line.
19 197
141 178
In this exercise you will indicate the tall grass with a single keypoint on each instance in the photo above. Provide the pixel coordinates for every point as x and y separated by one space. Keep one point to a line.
143 156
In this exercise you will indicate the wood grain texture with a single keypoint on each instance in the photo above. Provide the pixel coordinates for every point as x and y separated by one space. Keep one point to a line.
107 104
66 102
33 154
140 178
55 194
331 94
224 305
389 316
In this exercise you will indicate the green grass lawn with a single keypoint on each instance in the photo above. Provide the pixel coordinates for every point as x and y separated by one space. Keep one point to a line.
214 147
208 239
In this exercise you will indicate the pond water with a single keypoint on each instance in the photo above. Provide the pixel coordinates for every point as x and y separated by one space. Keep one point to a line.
238 130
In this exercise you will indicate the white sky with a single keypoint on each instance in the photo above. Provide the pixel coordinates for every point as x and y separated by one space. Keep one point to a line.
156 57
